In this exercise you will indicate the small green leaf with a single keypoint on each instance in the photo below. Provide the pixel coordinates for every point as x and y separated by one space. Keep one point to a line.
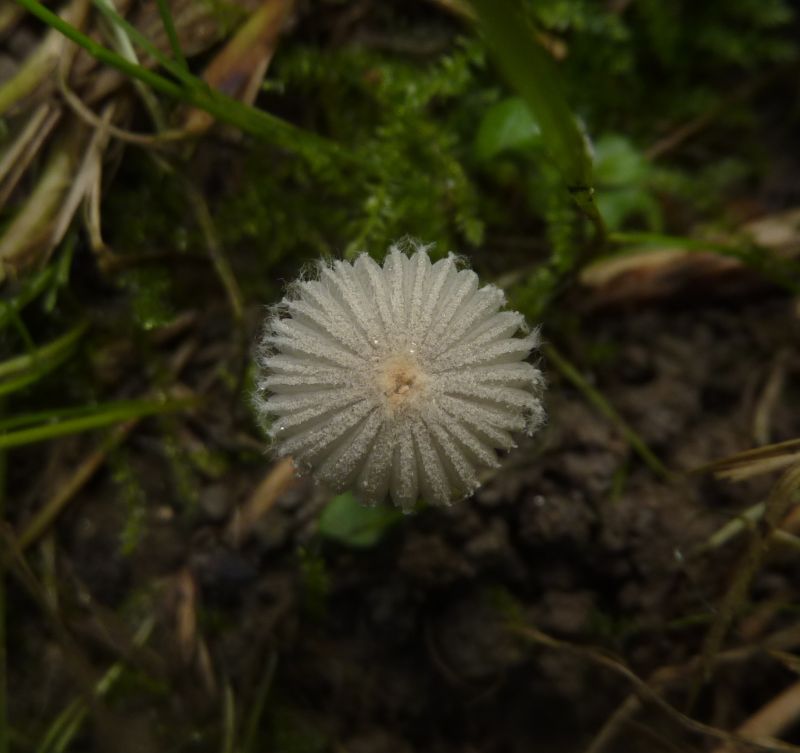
617 162
347 521
621 174
618 204
507 126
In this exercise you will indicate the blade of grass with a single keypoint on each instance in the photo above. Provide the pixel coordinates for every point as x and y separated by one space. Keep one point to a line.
755 461
124 46
15 385
222 265
23 332
31 289
257 710
44 518
68 723
56 351
4 741
19 154
746 519
172 34
59 727
529 69
645 691
598 401
225 109
96 418
31 227
38 65
785 493
63 266
228 720
782 271
238 69
181 73
54 415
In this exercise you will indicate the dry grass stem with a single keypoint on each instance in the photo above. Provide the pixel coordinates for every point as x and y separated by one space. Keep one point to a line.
279 478
647 693
780 714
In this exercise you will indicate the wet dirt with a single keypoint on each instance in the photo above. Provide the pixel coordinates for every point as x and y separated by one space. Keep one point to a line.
406 646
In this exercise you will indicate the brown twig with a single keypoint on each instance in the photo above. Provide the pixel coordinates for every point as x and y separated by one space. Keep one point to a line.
698 124
279 478
648 693
771 719
780 500
67 491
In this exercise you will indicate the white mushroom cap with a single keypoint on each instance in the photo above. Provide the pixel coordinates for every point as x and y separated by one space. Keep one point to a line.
399 380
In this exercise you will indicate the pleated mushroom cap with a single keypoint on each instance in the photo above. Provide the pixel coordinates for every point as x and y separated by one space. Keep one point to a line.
401 380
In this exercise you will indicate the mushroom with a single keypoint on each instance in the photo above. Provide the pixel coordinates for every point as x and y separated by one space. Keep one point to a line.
400 380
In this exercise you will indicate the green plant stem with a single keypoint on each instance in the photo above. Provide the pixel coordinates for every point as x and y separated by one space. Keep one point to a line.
69 722
50 511
784 495
196 93
172 34
124 46
250 740
31 289
53 350
100 416
132 34
782 271
100 52
228 720
4 739
598 401
531 71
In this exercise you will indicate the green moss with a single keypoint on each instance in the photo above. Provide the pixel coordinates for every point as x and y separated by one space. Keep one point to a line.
404 122
417 166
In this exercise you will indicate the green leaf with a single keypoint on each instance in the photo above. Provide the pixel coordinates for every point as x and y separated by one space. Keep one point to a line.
507 126
621 174
347 521
618 204
617 162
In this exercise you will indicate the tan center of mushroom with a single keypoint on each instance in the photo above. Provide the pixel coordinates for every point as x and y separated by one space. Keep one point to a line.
401 381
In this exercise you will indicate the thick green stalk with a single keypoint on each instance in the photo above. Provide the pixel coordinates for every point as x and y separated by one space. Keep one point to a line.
529 69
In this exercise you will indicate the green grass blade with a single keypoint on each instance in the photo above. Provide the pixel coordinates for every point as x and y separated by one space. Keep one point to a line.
9 386
67 724
172 34
95 417
594 397
181 73
97 50
54 351
249 744
121 43
60 727
193 91
782 271
31 289
62 414
529 69
4 735
228 720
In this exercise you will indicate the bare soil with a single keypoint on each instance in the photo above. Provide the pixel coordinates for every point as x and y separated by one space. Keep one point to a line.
406 646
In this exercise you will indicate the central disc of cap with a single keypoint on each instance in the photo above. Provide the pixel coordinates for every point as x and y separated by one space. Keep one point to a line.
401 382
